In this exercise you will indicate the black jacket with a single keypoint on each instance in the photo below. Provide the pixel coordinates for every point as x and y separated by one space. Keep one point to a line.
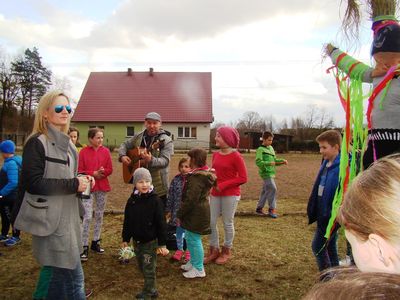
144 219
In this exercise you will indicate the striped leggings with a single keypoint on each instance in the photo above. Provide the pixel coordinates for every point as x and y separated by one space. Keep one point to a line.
101 198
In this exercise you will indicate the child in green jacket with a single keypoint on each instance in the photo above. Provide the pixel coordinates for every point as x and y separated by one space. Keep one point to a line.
266 162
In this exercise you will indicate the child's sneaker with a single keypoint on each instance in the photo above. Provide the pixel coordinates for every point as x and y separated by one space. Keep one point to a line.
3 238
95 246
194 273
85 253
272 213
187 256
260 212
187 267
12 241
178 255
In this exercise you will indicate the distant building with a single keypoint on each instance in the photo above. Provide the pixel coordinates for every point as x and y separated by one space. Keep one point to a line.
253 140
118 102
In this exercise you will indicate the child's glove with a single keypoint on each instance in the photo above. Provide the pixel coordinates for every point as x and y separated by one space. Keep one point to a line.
162 251
126 253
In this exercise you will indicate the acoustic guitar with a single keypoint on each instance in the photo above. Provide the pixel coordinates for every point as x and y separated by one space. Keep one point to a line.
127 171
135 156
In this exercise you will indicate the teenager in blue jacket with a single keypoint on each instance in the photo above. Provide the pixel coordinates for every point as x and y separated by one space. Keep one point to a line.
321 198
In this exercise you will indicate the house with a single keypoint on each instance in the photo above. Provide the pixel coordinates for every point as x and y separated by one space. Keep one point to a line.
118 102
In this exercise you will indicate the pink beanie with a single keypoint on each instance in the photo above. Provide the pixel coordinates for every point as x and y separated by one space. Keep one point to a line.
230 136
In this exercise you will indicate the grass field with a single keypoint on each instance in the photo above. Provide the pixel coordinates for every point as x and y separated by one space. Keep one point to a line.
272 258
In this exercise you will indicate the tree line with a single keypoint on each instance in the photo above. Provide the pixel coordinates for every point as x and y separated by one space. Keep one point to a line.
303 128
23 81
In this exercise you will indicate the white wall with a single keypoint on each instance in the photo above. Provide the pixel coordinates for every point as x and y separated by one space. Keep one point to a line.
202 140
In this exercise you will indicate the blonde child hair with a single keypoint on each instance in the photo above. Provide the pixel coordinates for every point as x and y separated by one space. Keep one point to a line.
372 203
40 122
351 284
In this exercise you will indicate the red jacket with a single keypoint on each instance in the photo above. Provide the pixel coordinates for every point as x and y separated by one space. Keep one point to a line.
91 160
231 173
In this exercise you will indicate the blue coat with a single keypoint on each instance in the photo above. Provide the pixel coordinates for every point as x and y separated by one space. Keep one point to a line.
320 211
9 177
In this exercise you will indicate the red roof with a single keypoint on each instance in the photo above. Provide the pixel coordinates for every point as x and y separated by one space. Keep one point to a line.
120 97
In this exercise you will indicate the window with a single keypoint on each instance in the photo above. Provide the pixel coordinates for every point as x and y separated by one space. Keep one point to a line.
130 131
94 126
187 132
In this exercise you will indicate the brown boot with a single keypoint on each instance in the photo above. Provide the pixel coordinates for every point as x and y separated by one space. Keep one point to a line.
224 256
213 254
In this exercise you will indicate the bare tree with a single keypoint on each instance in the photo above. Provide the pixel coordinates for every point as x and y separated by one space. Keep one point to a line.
251 120
61 84
8 88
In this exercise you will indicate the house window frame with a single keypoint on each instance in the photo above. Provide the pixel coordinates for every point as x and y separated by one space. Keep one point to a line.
133 128
96 126
187 132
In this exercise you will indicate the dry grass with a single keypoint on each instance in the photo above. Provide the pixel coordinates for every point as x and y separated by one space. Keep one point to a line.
272 260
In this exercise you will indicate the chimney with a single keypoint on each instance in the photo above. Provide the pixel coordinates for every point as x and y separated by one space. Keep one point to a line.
129 71
151 71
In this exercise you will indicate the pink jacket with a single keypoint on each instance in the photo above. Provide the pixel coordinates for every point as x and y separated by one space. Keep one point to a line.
91 160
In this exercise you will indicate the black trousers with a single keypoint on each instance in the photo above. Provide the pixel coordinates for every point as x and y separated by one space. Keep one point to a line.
6 207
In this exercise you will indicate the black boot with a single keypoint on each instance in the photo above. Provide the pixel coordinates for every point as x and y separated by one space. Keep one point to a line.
96 247
85 253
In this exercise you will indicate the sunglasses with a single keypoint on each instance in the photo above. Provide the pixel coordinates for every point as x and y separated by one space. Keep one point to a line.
60 108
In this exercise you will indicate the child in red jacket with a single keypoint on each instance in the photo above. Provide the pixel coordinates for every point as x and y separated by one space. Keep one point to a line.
95 160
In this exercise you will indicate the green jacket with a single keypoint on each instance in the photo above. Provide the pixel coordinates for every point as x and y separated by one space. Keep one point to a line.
194 212
264 157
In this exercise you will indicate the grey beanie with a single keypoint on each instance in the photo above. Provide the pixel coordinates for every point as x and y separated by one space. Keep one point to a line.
141 174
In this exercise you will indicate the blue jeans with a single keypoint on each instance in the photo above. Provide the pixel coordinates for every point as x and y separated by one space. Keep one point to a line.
195 247
326 254
268 192
66 284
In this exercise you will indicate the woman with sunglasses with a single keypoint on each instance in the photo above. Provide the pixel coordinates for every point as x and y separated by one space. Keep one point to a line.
50 209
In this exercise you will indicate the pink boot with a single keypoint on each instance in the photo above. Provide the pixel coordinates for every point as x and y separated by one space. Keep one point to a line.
178 255
187 256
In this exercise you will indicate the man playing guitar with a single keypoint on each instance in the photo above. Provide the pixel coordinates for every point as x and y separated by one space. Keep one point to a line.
153 149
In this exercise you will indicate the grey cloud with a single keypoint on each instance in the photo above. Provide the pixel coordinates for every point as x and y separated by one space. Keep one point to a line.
192 19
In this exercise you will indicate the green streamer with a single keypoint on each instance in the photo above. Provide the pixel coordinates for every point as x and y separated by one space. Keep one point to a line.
350 159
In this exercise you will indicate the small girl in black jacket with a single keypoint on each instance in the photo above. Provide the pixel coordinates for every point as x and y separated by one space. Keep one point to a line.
144 223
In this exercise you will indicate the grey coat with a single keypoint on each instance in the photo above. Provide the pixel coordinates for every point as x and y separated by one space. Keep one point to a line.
51 209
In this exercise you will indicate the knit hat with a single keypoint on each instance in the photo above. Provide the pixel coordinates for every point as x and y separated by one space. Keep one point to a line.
141 174
230 136
153 116
386 39
7 146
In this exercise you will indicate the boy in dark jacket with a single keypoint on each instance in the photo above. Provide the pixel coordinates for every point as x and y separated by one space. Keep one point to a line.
194 213
321 198
9 174
144 223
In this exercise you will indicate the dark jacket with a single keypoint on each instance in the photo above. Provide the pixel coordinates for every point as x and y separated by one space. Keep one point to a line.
194 212
320 210
144 219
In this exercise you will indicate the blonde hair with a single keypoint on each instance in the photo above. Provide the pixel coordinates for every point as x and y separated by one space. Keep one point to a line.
372 203
351 284
40 122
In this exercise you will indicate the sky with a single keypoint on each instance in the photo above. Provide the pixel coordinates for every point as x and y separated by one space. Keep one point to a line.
264 55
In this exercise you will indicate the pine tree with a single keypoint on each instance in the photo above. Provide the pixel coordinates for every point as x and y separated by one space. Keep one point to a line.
34 79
